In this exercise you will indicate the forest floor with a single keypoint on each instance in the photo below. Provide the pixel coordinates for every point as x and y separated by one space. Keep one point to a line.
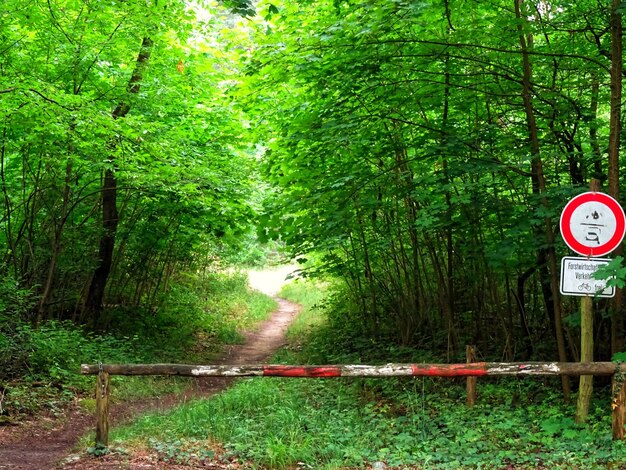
49 442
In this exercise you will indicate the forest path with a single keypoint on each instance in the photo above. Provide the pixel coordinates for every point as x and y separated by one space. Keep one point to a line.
46 443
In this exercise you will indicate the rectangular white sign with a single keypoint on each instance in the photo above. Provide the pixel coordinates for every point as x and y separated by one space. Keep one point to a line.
577 277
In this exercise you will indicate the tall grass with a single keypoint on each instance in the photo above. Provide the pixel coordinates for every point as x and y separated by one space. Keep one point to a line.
312 296
199 314
411 423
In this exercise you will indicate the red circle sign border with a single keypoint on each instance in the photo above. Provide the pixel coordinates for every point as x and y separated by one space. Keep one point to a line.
614 207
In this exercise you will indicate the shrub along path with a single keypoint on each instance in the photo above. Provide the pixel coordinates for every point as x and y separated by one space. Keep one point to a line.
45 444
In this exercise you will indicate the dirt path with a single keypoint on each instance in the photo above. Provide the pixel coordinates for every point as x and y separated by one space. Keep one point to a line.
45 444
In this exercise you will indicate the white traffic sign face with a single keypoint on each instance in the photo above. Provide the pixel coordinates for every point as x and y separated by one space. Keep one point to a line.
577 277
593 224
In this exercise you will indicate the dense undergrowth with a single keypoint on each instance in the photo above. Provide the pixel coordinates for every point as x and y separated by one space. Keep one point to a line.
420 423
39 366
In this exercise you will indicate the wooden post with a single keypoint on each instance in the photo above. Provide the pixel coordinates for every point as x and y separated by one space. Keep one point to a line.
470 356
619 406
585 388
102 409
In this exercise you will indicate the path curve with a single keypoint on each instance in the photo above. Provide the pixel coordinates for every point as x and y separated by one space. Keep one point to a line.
45 447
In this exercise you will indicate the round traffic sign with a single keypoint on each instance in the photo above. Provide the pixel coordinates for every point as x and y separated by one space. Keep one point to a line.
593 224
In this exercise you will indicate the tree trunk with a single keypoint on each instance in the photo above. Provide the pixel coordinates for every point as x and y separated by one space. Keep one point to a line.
56 242
93 299
93 302
446 174
617 321
521 304
593 129
539 186
8 207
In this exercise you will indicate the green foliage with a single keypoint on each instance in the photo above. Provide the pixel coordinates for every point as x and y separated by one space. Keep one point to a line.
619 356
351 423
182 452
15 301
250 252
305 291
47 372
403 422
15 306
98 450
199 311
205 312
329 330
310 294
185 177
613 272
57 349
396 137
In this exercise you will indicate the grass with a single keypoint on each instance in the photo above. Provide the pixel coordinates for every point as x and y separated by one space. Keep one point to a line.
311 295
413 423
226 308
407 423
258 308
200 314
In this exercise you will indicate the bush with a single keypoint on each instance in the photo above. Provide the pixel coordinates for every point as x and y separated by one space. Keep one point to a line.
15 305
40 366
57 349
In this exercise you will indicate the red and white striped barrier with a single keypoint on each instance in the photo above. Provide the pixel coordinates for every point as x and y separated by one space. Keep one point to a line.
476 369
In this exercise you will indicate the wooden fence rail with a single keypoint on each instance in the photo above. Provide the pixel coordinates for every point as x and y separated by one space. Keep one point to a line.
476 369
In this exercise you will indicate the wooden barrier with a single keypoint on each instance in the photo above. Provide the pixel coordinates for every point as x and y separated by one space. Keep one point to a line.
476 369
102 409
470 357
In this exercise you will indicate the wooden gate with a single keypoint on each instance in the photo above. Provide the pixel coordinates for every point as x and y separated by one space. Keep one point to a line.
470 370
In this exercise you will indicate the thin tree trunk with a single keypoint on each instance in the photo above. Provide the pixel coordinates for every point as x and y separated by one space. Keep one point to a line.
539 186
521 303
444 128
93 301
448 196
444 304
56 242
593 128
8 205
369 277
617 321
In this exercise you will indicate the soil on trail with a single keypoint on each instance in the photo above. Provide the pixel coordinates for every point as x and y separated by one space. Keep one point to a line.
46 443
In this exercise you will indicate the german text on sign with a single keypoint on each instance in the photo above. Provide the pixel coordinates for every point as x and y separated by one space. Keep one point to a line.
577 277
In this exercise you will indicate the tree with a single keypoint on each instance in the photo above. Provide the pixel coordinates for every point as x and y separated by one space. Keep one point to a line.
422 152
122 109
